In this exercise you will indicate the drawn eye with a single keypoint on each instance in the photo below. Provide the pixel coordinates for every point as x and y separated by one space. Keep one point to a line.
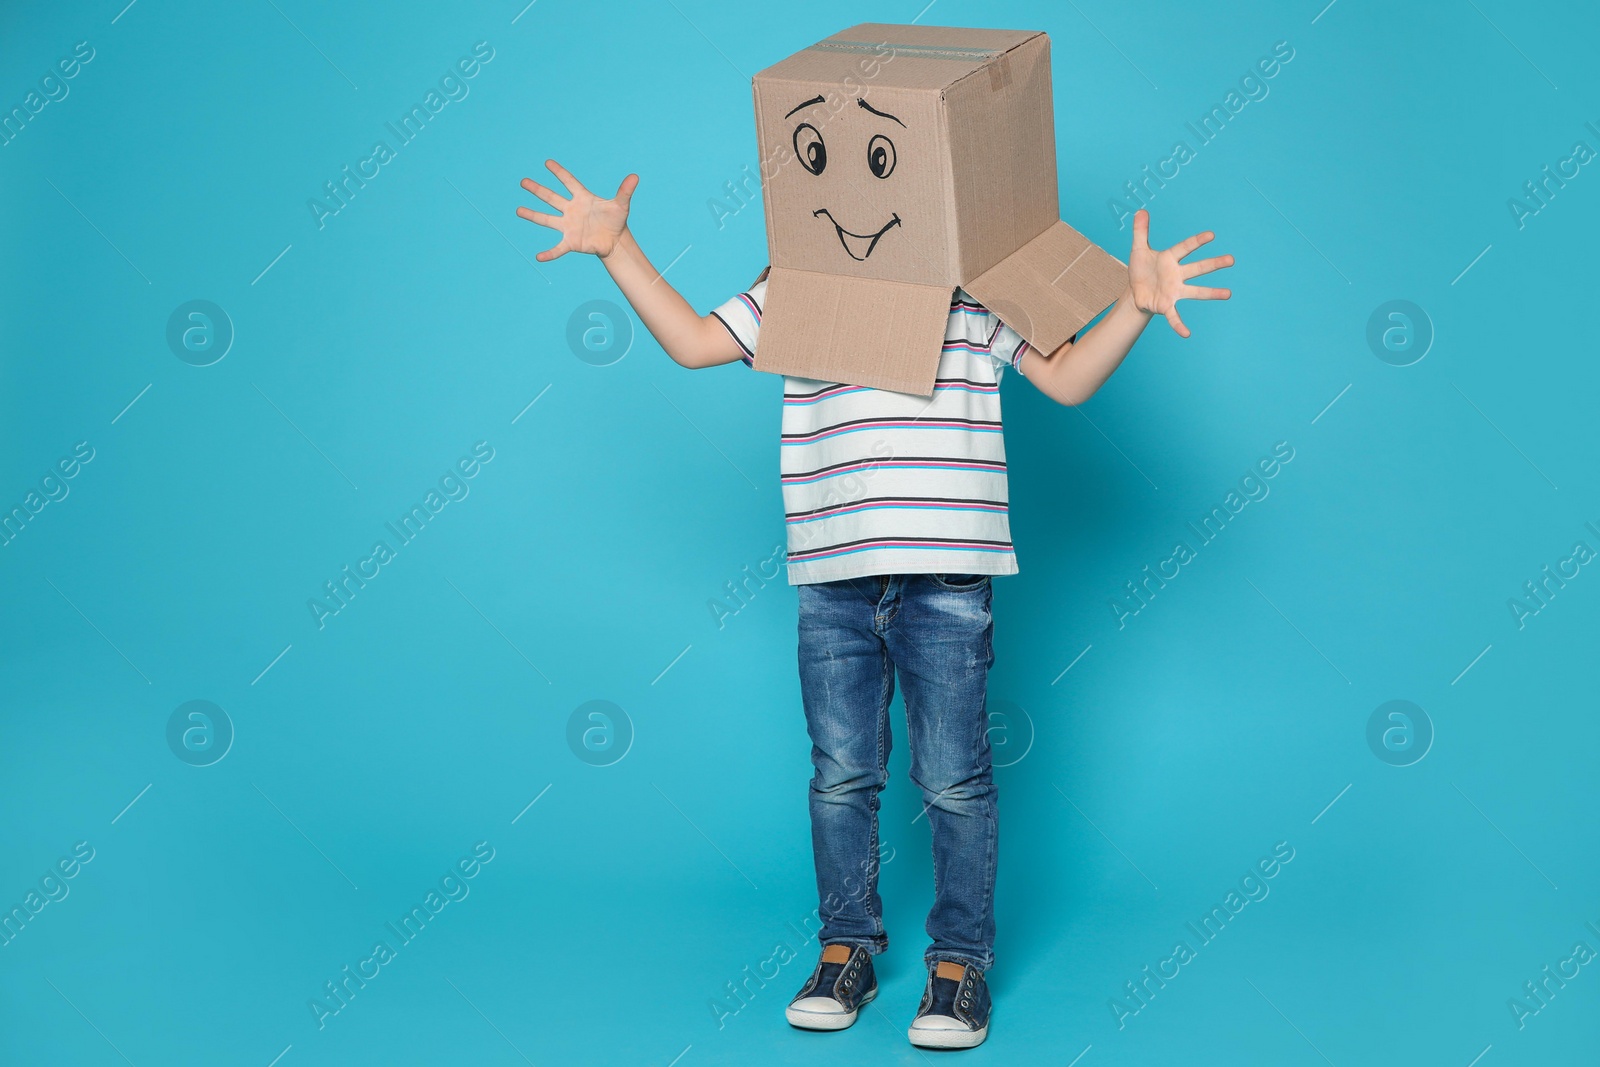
809 149
880 156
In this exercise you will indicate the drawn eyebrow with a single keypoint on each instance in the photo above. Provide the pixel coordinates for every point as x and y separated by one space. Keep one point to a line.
875 111
808 103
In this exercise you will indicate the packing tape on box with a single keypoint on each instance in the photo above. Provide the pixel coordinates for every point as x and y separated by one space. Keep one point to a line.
919 51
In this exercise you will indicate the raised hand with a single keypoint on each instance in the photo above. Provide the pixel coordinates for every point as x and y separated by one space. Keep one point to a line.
1158 280
586 223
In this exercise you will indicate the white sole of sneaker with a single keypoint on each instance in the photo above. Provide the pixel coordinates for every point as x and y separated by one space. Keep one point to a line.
825 1020
931 1038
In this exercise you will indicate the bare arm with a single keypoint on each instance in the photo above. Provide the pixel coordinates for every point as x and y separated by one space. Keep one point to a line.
1156 282
600 228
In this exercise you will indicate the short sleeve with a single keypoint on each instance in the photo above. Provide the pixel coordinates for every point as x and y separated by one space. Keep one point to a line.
1007 346
742 318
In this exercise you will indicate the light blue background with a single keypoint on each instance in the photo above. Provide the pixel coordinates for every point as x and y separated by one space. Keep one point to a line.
425 717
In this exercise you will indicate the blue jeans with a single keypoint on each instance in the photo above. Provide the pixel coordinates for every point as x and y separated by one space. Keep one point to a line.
935 631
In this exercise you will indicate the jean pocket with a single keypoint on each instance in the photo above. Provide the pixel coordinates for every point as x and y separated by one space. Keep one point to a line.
960 583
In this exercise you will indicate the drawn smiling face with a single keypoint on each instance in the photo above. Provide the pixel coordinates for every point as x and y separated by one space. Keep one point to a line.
854 181
811 151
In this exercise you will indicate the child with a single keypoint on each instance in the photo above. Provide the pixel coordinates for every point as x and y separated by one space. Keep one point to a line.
896 509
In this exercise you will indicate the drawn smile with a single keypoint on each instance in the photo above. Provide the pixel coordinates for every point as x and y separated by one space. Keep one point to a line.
846 237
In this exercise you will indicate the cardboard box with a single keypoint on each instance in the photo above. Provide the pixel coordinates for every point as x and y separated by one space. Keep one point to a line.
900 162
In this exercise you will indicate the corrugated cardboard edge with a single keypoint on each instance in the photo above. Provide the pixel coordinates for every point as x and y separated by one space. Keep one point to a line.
885 335
1051 287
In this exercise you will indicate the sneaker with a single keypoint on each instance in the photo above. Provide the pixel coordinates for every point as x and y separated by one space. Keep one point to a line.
836 990
954 1012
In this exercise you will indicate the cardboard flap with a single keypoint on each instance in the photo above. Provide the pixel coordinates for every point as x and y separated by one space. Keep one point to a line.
1048 289
859 331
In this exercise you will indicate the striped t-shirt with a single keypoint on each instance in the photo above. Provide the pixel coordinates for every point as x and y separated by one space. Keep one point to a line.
877 482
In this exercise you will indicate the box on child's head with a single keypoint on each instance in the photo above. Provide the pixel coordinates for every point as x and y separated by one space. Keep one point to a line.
898 163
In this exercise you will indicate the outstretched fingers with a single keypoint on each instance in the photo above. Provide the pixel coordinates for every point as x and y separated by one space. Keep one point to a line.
1205 266
1176 323
625 190
1141 229
1203 292
549 196
552 221
557 252
566 177
1189 244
